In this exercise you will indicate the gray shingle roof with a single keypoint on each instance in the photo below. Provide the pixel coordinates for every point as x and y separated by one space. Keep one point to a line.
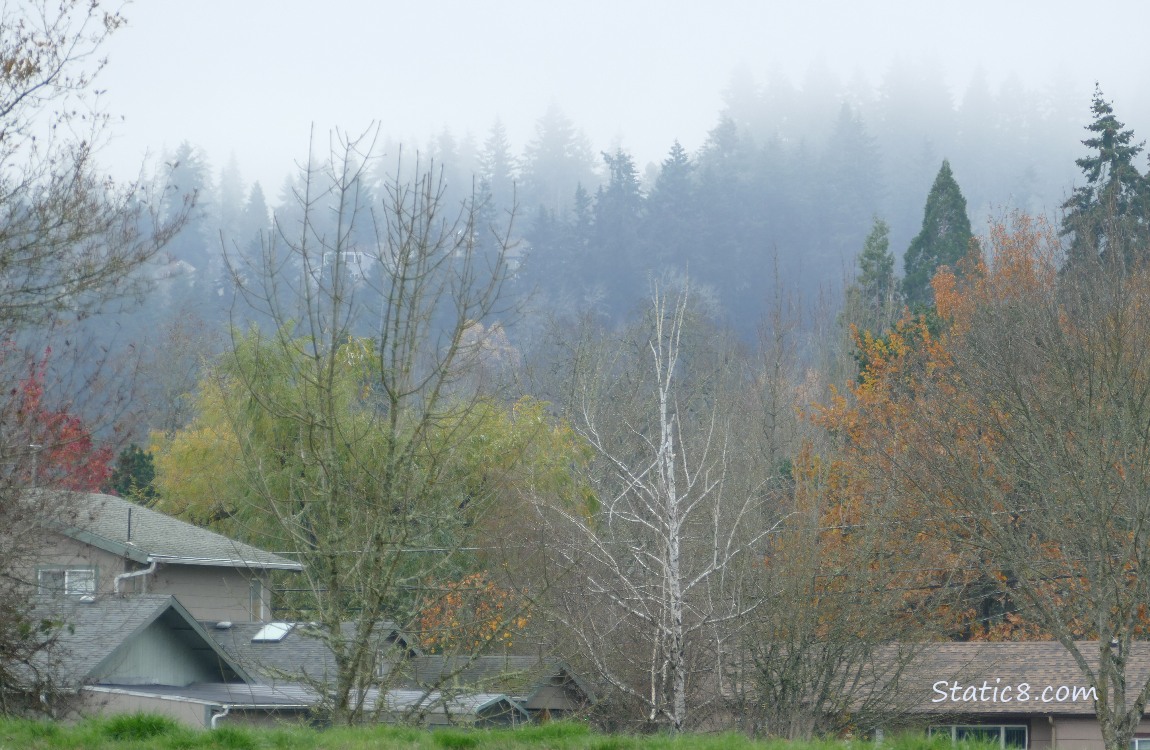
95 631
971 679
142 534
468 706
302 654
236 694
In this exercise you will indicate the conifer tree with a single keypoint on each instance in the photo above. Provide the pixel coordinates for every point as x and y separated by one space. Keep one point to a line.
1112 207
943 241
672 214
498 166
873 299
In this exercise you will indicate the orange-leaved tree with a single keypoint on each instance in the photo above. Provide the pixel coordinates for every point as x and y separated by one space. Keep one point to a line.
1015 436
849 598
472 614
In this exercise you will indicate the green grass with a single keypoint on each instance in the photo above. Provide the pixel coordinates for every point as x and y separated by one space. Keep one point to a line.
145 732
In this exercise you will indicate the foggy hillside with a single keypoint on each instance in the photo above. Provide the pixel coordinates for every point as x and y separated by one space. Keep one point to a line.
780 195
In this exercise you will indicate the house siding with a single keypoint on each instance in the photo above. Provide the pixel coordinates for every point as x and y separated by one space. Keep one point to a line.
157 656
1084 733
189 713
62 551
212 594
1041 734
1046 732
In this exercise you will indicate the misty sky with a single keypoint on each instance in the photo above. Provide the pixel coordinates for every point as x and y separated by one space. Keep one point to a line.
251 77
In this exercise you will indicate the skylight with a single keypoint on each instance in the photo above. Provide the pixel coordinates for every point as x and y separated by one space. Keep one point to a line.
273 632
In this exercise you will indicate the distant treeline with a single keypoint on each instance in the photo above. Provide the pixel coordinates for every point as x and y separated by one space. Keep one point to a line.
782 194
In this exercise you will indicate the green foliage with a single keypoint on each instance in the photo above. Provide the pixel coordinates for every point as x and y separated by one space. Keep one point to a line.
453 739
234 738
943 241
133 476
246 415
92 734
873 300
1113 207
139 726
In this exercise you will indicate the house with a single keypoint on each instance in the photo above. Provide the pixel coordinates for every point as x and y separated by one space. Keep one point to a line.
287 653
546 688
147 653
168 617
281 652
1017 694
109 545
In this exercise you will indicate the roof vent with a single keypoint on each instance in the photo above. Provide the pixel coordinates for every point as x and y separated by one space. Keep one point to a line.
224 625
273 632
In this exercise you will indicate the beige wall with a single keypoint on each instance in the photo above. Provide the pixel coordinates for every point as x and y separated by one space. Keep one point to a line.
60 550
209 593
1084 733
1041 734
193 714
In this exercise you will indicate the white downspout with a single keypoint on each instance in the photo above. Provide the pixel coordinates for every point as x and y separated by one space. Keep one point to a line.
125 576
220 715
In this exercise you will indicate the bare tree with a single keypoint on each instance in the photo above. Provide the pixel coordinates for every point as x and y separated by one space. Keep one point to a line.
70 240
654 570
69 237
350 413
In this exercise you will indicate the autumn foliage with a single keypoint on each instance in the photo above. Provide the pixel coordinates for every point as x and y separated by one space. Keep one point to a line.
1004 436
470 615
65 455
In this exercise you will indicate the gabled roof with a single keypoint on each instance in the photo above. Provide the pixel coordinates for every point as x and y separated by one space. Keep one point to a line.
302 653
97 633
970 679
145 535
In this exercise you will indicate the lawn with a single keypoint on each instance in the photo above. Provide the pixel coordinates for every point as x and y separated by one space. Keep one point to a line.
144 732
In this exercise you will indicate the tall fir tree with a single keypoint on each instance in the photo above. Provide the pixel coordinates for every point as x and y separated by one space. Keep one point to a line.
618 217
873 300
498 166
229 206
556 160
672 215
943 241
850 184
190 184
1113 207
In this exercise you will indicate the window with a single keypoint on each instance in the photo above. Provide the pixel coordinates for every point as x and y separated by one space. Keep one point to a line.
273 632
66 581
1140 743
1004 735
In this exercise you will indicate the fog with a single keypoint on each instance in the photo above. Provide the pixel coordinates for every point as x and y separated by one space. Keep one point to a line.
252 79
